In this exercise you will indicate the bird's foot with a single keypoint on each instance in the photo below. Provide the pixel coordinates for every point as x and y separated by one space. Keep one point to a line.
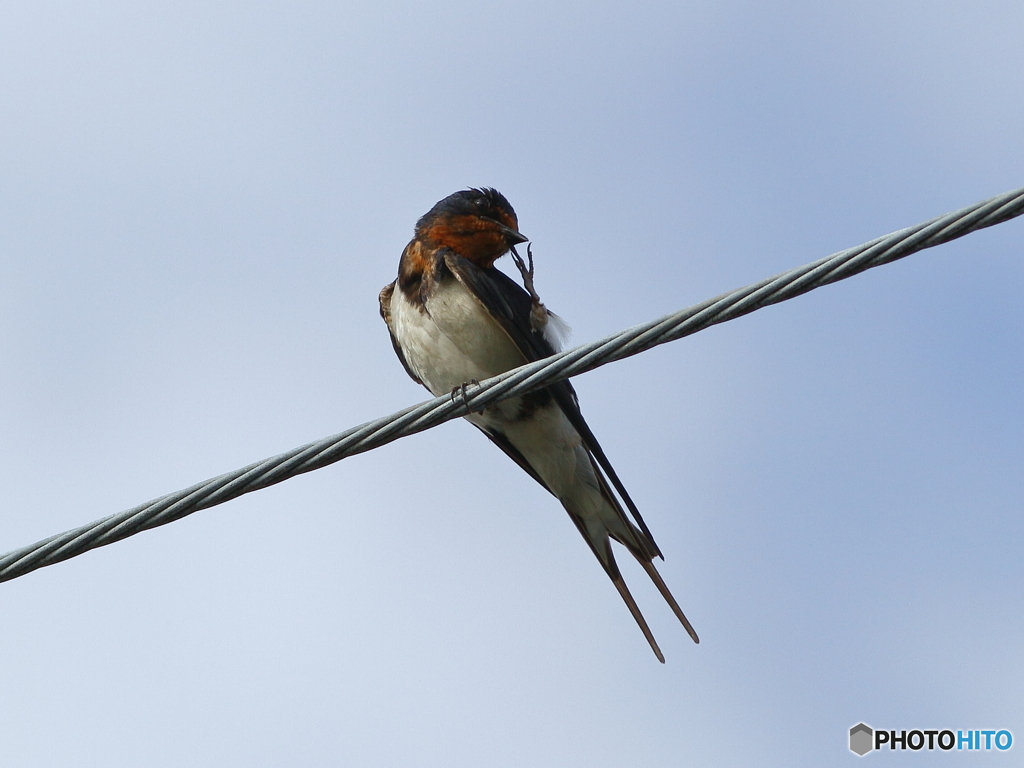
526 271
460 391
538 312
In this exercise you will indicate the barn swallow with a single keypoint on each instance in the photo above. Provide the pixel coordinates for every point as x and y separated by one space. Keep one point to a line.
455 319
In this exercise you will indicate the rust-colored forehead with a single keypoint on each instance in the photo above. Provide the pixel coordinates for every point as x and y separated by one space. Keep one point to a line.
477 238
468 204
474 223
507 217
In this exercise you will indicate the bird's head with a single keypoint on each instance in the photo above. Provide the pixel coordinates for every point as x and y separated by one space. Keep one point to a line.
478 224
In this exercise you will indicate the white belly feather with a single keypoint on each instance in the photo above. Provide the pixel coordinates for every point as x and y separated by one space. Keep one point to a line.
455 341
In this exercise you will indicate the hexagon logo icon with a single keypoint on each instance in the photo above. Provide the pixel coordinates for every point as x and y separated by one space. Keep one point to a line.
861 739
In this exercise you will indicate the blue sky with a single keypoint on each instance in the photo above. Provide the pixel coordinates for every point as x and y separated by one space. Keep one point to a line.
198 207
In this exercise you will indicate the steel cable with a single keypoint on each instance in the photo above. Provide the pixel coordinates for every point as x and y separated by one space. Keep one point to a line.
418 418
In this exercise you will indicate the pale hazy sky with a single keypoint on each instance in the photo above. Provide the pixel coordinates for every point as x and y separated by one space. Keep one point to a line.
198 205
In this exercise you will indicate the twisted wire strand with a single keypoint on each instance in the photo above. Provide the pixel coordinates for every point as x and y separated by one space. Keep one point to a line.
430 413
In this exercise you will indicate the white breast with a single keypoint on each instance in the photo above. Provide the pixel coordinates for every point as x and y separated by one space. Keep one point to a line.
454 341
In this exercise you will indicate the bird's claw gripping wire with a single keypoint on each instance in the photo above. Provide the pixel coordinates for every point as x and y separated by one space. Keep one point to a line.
461 391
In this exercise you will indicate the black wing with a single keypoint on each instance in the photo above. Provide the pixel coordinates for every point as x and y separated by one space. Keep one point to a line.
509 304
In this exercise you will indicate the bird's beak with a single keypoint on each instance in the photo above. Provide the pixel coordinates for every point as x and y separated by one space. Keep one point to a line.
514 237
